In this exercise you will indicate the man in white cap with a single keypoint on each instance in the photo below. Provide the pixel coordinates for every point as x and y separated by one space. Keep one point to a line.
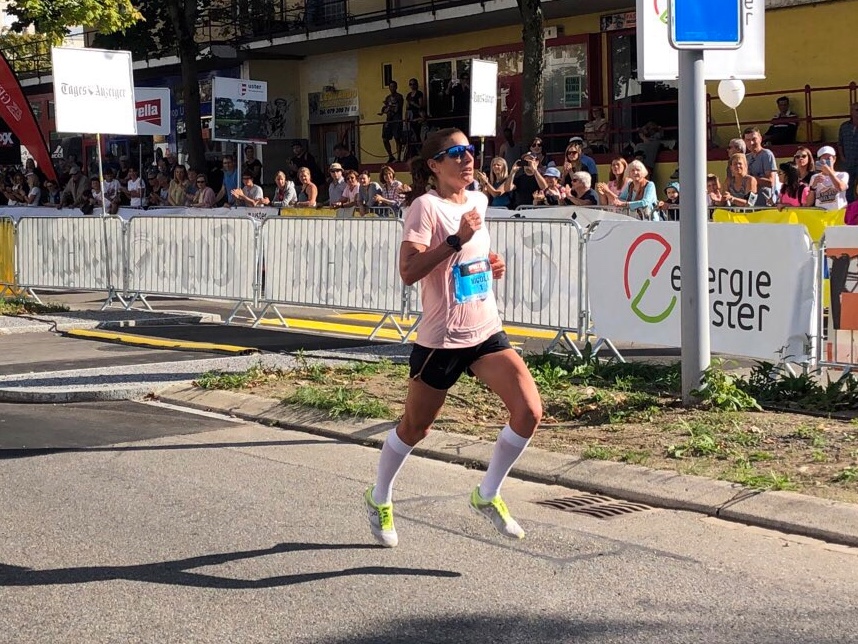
337 185
827 187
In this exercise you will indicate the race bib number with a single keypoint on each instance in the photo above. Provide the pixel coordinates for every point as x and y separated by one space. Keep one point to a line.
472 280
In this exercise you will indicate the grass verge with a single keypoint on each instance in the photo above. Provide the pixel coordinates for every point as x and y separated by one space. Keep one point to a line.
627 413
22 306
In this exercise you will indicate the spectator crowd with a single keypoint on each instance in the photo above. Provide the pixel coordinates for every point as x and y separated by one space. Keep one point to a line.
515 177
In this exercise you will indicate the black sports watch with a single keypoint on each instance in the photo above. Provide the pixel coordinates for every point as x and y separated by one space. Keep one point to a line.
454 242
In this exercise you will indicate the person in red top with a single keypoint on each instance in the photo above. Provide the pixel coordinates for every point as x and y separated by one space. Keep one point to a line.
446 247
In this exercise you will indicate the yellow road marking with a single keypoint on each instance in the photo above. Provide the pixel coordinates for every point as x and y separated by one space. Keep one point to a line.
158 343
317 325
527 332
388 333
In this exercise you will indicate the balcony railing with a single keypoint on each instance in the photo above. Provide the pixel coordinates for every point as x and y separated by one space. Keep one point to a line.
239 22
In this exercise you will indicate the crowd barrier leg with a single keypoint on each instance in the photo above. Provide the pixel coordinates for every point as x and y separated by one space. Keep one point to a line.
403 335
566 343
257 319
584 292
606 342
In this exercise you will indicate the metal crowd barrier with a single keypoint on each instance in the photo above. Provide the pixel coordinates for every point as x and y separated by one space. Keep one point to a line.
70 252
256 259
344 264
837 338
193 256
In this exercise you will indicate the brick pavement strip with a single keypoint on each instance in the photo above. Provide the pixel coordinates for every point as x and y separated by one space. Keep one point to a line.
788 512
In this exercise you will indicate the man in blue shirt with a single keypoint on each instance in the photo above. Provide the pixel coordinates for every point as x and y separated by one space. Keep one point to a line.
230 181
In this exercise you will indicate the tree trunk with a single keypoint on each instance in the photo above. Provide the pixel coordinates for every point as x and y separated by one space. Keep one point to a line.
183 15
533 87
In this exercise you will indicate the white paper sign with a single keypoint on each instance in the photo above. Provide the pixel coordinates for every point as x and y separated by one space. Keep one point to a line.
153 110
93 91
657 60
484 98
761 286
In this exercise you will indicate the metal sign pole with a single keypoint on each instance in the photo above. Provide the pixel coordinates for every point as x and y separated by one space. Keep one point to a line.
693 220
100 173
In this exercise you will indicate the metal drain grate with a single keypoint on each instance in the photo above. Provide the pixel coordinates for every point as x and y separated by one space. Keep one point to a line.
594 505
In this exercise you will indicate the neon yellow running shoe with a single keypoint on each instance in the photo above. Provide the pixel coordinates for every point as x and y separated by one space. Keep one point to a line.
496 512
380 520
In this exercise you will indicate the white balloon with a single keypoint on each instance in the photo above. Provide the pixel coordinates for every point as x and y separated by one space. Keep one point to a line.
731 93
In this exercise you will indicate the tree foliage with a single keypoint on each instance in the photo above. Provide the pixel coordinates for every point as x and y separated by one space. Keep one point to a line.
25 52
53 18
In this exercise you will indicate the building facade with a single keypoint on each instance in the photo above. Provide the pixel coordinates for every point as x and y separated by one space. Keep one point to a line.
328 62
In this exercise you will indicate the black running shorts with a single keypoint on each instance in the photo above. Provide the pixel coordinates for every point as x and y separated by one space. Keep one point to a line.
441 368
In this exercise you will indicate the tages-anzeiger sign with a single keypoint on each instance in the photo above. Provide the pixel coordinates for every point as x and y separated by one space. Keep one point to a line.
93 91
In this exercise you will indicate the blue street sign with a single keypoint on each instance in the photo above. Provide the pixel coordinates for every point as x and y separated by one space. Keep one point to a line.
705 24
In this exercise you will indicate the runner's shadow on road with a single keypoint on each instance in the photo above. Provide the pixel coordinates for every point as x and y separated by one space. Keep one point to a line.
177 572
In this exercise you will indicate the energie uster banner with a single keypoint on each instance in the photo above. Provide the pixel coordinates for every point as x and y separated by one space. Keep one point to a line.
761 286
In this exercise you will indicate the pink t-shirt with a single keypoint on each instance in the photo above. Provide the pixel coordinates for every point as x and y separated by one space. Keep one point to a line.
794 201
447 324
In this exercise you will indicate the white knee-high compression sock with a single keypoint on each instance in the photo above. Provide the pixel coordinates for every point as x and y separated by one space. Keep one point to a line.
508 448
393 455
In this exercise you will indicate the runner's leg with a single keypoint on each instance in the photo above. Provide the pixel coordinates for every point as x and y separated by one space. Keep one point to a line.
507 375
422 405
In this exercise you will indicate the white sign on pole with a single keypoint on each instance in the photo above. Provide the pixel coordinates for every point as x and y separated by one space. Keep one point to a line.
760 279
93 91
238 109
153 110
658 60
484 98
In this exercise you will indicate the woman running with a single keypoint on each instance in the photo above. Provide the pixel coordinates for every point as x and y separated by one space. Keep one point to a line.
446 247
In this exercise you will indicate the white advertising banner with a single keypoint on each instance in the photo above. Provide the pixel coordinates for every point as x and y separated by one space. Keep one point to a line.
484 97
93 91
239 109
658 60
761 286
153 110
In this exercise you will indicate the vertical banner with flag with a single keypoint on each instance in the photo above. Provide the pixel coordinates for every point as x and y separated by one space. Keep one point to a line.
15 110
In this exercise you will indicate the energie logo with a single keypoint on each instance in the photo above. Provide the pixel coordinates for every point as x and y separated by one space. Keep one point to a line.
661 13
656 318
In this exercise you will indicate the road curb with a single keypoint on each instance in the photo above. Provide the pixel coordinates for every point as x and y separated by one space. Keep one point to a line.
132 339
788 512
35 397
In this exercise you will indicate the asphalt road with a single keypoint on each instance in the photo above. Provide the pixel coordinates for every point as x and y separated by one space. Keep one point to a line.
41 352
128 522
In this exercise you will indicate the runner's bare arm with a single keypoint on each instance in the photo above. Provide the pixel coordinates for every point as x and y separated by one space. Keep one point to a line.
416 261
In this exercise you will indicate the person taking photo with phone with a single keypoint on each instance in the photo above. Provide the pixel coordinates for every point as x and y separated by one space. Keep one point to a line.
827 187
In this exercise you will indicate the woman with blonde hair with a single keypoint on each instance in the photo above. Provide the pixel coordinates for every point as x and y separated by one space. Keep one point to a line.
618 178
493 184
309 192
177 190
740 185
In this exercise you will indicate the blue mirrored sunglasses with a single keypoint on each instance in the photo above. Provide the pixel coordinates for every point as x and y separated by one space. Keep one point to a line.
456 152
